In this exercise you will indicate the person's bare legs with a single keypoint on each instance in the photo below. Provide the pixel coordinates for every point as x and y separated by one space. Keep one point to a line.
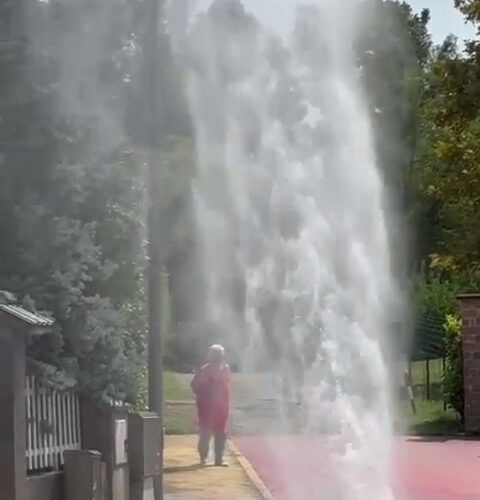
204 437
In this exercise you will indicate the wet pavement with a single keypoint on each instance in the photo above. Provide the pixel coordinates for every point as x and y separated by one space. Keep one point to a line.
300 467
267 434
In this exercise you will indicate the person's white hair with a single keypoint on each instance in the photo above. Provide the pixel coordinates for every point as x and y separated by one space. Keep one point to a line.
217 349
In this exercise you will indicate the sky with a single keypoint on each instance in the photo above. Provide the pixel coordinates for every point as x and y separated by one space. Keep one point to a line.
445 19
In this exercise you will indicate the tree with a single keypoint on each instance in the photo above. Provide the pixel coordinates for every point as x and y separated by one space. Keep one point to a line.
393 53
448 162
72 206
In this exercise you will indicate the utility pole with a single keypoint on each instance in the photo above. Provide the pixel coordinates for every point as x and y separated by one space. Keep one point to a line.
155 130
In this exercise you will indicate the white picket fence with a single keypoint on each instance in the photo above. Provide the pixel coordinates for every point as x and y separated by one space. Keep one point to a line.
53 426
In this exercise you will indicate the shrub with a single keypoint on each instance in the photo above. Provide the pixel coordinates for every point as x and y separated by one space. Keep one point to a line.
453 375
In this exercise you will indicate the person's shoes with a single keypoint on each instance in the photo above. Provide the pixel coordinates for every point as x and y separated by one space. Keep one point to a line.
203 462
221 463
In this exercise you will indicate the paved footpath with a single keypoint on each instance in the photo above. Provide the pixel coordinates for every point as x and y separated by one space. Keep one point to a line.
436 469
186 480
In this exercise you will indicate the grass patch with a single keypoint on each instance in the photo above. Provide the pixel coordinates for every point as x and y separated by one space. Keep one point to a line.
176 388
433 420
179 418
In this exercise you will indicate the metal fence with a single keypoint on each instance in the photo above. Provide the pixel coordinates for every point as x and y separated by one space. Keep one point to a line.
427 378
428 360
53 426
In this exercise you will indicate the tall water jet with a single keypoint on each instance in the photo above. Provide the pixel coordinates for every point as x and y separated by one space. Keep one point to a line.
290 208
292 225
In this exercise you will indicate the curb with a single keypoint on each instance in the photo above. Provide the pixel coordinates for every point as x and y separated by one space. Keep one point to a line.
254 478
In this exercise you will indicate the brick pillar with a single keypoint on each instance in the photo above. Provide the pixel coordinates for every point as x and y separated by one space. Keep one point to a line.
470 311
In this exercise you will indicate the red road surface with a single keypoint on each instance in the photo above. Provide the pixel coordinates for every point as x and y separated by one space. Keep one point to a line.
299 467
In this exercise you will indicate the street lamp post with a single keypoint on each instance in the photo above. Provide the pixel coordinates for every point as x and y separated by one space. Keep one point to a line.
155 361
155 131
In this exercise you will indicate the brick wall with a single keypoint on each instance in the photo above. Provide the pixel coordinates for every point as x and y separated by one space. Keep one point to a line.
470 310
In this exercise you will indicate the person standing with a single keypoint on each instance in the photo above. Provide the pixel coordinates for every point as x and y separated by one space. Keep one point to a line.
211 386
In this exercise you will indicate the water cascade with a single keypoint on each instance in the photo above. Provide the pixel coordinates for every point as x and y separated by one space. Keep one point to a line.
292 226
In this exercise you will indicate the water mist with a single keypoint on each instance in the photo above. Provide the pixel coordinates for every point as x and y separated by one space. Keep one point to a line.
289 208
289 205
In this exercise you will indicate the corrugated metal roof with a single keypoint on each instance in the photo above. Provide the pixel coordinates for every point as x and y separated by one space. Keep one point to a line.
33 319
